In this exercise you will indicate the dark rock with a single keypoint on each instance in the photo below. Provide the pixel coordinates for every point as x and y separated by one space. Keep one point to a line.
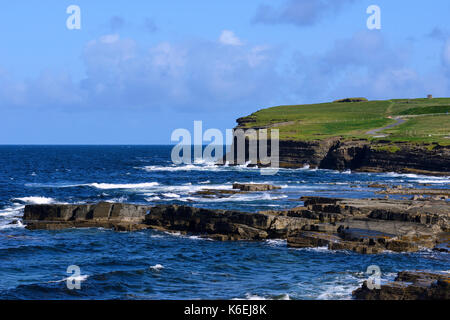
234 225
362 155
254 187
103 214
409 285
360 225
309 239
216 193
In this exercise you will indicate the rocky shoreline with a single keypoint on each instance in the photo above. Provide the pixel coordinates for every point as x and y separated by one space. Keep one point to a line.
365 226
409 285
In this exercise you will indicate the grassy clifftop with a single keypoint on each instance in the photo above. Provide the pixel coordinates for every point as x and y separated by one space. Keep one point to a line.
413 120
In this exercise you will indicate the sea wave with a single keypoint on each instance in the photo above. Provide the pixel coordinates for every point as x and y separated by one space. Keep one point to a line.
35 200
249 296
417 178
187 167
80 278
157 267
97 185
236 198
10 225
10 217
276 242
104 186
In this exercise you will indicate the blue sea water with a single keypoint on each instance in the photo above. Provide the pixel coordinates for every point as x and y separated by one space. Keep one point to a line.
157 265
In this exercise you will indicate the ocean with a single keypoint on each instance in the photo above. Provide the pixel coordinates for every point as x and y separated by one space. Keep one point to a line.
157 265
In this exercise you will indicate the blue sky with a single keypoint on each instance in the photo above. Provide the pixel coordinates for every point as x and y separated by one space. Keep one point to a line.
137 70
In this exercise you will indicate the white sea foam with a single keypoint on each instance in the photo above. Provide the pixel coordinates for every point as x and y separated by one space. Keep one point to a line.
9 225
187 167
35 200
13 211
102 186
199 166
434 181
420 178
120 199
237 198
157 267
150 199
171 195
122 186
276 242
81 278
341 287
188 189
249 296
186 236
337 292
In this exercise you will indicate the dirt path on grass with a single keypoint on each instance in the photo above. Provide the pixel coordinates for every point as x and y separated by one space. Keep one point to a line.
398 122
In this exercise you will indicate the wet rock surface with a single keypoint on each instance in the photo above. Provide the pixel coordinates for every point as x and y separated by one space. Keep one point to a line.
237 188
254 187
409 285
373 226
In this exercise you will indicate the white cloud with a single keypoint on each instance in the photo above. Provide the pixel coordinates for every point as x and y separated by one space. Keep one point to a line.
228 37
120 73
299 12
109 38
197 74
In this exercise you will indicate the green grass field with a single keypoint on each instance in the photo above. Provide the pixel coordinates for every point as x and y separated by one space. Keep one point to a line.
426 120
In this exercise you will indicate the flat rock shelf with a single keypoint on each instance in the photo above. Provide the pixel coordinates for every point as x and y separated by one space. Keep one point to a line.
366 226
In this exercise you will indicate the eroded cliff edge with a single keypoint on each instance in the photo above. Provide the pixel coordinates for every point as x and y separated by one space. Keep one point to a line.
363 156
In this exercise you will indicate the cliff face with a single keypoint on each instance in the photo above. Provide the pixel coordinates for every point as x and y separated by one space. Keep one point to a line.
363 155
297 154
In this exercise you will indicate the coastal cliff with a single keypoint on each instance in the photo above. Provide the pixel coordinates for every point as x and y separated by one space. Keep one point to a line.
407 136
363 155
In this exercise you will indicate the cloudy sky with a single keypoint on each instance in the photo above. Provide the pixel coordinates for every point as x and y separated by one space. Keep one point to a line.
137 70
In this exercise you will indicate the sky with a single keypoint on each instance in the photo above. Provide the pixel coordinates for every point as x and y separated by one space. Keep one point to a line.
137 70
